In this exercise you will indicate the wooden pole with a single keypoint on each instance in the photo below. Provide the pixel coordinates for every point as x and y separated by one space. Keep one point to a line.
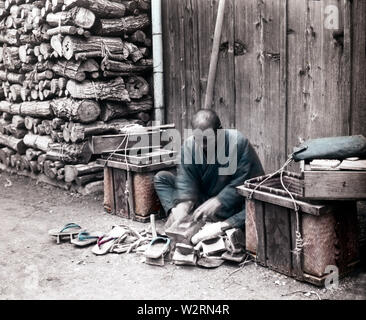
214 55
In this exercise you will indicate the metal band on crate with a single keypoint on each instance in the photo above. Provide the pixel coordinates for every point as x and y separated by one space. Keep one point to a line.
299 240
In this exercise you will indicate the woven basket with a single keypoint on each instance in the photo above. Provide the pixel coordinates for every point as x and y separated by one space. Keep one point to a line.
145 197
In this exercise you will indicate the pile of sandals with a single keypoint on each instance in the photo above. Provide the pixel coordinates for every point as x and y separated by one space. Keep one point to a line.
208 252
120 239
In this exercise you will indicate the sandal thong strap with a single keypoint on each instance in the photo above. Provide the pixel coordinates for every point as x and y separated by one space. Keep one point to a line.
70 226
86 236
166 240
101 241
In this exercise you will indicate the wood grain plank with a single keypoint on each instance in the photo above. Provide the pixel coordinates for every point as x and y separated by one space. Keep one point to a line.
173 31
278 238
261 232
251 236
316 105
313 209
325 185
224 90
192 64
109 205
261 102
121 200
358 117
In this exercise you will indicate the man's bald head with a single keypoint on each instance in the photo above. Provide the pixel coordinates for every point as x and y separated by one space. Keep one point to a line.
206 119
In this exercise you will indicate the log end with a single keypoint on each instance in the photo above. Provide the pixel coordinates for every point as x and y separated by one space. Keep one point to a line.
89 111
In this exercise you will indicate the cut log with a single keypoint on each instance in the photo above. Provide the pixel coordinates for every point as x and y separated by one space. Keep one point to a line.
60 174
91 188
12 77
89 66
72 45
37 142
15 161
69 69
40 162
18 122
51 168
74 171
13 143
137 87
3 126
5 154
24 163
77 16
58 85
69 153
114 90
15 132
33 166
139 37
83 111
65 30
79 132
56 44
41 130
112 111
123 67
45 50
57 123
126 25
36 109
28 122
15 93
10 36
6 116
143 116
83 180
102 8
144 4
32 154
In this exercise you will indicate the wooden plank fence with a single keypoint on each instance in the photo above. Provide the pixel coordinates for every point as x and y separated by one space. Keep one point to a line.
283 75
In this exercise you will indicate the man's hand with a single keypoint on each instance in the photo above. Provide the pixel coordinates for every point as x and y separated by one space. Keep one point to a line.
207 209
178 213
209 231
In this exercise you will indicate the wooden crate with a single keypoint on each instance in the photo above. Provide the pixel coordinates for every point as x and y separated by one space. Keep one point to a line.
317 185
329 231
130 193
333 185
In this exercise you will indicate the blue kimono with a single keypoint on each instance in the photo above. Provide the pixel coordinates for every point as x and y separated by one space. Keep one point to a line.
198 180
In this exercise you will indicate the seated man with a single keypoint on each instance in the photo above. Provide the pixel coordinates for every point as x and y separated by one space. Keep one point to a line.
201 187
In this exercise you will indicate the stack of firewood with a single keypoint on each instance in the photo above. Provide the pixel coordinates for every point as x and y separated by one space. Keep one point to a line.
70 69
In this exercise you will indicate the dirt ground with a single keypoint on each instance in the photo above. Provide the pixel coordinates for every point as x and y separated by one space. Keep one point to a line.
33 266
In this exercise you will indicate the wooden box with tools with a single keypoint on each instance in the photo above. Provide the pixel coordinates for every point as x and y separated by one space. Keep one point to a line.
129 188
305 244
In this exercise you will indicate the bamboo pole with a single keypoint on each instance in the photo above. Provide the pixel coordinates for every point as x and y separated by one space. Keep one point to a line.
214 55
